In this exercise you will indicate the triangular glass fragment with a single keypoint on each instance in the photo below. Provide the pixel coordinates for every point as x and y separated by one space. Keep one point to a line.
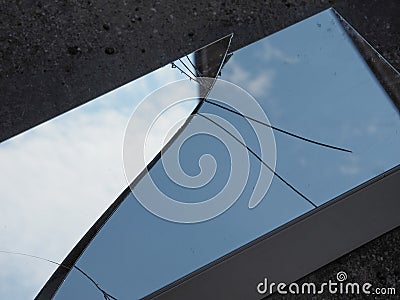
187 66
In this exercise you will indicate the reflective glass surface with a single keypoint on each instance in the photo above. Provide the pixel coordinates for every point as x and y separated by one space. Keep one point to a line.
309 81
59 177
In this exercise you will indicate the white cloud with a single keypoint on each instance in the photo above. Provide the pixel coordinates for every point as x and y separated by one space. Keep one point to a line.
59 177
256 83
262 84
272 53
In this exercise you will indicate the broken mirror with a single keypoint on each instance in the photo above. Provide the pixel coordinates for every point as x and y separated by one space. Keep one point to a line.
293 121
59 177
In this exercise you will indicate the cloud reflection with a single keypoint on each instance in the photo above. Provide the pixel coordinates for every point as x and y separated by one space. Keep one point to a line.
59 177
